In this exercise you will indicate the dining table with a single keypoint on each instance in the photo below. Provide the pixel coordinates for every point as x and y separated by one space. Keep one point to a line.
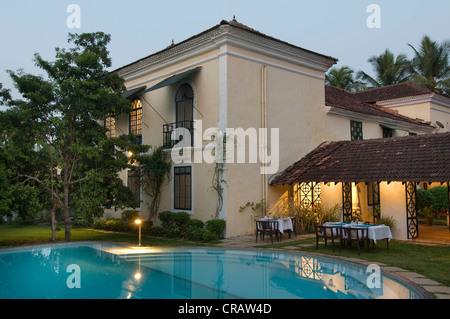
285 224
375 232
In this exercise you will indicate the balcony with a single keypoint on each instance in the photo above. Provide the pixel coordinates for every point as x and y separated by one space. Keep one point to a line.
170 128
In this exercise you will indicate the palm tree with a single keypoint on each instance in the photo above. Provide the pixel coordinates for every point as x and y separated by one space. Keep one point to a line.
388 69
343 78
430 65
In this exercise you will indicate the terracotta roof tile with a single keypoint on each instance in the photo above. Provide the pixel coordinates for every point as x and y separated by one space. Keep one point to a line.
391 92
397 159
340 98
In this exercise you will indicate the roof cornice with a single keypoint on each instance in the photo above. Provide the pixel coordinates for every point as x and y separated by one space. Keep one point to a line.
220 35
417 99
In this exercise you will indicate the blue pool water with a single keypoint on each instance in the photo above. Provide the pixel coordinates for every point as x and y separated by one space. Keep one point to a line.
107 271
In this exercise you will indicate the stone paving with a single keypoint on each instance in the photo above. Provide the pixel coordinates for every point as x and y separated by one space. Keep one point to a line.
435 288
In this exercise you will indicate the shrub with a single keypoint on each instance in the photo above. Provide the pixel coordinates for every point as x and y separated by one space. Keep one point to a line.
173 232
304 219
388 221
115 224
166 219
110 224
197 223
325 214
216 226
83 222
99 224
195 233
157 231
441 198
211 236
424 198
181 220
146 226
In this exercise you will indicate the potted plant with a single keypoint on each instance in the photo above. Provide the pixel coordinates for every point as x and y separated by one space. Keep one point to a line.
428 213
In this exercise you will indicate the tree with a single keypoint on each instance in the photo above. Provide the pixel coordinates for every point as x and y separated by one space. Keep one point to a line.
25 201
5 95
430 65
152 171
388 70
343 78
56 137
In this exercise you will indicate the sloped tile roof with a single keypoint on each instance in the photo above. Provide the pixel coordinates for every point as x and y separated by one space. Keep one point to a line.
340 98
396 159
391 92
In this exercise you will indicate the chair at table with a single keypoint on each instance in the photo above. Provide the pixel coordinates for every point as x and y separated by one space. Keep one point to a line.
327 232
293 227
355 234
266 227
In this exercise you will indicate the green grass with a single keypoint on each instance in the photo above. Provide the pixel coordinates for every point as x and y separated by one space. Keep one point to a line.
13 235
430 261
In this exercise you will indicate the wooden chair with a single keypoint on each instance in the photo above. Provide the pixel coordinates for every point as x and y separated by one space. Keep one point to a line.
293 227
327 232
266 227
358 235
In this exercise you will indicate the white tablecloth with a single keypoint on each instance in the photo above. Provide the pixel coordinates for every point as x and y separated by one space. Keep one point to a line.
283 223
380 232
375 232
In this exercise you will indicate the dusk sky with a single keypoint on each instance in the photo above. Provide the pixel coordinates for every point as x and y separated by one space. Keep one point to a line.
140 28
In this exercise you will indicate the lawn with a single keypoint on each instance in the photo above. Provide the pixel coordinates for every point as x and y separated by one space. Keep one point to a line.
13 235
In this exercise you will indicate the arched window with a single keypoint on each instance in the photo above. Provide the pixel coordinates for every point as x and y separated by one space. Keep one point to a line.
136 118
184 110
110 124
184 105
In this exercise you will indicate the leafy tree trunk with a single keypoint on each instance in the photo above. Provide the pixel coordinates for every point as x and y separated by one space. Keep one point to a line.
66 203
53 221
66 213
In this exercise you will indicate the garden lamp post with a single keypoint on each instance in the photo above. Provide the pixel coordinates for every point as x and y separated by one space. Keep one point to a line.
139 222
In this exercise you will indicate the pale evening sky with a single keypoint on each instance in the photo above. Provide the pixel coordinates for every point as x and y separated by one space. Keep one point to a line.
140 28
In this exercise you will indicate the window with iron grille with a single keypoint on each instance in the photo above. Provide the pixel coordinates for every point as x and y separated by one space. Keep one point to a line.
110 124
356 130
307 195
184 117
136 119
182 192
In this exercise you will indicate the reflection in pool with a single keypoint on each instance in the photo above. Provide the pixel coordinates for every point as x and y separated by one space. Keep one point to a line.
107 271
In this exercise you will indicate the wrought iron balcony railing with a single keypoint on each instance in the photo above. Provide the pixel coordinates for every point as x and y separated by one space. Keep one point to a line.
171 136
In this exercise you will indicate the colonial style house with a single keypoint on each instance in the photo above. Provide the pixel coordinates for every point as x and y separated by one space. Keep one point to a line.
234 77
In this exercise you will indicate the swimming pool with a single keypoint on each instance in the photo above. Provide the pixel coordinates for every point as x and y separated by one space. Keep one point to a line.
110 271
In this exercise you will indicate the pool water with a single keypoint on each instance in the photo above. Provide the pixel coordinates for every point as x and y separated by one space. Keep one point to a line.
107 271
